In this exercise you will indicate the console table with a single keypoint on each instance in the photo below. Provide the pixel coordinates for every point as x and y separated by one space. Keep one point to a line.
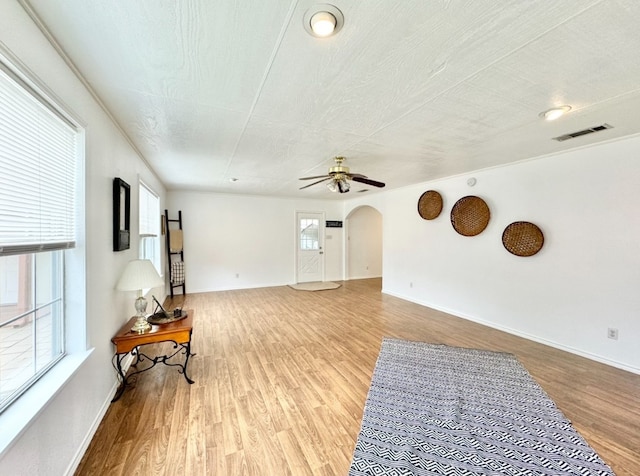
125 341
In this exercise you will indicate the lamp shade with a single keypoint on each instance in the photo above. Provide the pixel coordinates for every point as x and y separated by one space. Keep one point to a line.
139 274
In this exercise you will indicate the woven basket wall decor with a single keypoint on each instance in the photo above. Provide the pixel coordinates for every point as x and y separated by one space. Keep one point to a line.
470 216
430 205
522 238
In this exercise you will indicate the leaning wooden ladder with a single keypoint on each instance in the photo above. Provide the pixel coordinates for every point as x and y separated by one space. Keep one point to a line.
175 252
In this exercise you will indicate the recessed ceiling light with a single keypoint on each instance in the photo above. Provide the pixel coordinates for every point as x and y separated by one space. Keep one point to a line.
323 23
554 113
323 20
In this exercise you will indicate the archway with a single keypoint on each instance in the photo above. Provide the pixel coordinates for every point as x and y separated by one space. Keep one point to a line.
363 257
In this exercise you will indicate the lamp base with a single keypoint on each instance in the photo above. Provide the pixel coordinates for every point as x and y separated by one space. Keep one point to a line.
141 325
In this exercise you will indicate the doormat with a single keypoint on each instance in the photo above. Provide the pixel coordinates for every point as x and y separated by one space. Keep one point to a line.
315 286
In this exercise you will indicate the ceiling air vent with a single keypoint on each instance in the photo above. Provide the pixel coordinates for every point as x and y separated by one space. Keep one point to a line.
583 132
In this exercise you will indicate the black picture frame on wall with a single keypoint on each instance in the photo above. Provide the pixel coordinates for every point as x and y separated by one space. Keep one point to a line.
121 214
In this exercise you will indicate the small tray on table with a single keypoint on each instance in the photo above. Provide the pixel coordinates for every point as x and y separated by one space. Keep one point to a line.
165 317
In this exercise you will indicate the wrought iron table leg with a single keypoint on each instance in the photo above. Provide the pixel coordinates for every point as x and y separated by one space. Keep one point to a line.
186 361
141 357
123 380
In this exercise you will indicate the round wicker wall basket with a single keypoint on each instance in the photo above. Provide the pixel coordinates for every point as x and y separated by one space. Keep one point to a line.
430 205
522 238
470 216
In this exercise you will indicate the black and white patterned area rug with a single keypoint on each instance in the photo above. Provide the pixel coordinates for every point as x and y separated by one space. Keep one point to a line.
440 410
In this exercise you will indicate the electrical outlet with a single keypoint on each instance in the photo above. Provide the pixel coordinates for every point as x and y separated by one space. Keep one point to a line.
237 275
612 333
410 285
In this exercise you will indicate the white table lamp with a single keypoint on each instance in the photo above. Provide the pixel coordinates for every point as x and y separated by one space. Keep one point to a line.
138 275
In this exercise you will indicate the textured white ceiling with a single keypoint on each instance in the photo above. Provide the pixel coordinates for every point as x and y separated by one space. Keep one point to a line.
408 91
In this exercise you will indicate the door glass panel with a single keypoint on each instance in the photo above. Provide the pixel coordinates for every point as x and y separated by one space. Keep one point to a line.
309 232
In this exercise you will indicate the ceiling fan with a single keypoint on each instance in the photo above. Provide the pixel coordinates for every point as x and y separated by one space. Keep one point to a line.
339 177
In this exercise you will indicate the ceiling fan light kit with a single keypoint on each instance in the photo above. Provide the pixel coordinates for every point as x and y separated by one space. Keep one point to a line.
339 176
323 20
339 185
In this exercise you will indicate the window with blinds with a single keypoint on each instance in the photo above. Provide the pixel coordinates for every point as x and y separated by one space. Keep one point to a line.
149 226
39 153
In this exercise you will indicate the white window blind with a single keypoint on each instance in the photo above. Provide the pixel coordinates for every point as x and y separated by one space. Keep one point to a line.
38 153
149 226
149 212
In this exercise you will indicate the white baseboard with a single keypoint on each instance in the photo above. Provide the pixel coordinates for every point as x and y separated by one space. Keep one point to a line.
508 330
75 462
352 278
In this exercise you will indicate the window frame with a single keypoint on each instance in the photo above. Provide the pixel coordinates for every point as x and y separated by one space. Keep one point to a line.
146 234
29 320
24 410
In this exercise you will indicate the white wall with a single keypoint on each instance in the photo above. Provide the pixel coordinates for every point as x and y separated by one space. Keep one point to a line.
364 243
54 440
249 236
583 281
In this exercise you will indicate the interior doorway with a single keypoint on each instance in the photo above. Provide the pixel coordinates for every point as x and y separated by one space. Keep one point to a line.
364 243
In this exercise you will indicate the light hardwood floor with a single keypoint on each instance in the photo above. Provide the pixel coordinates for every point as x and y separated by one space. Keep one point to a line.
281 377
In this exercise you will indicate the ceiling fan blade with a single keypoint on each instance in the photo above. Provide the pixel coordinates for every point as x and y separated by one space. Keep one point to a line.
356 175
311 178
368 181
314 183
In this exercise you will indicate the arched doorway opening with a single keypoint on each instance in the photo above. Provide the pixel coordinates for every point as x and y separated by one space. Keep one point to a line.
363 243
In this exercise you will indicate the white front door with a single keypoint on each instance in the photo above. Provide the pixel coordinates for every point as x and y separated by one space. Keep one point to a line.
310 244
